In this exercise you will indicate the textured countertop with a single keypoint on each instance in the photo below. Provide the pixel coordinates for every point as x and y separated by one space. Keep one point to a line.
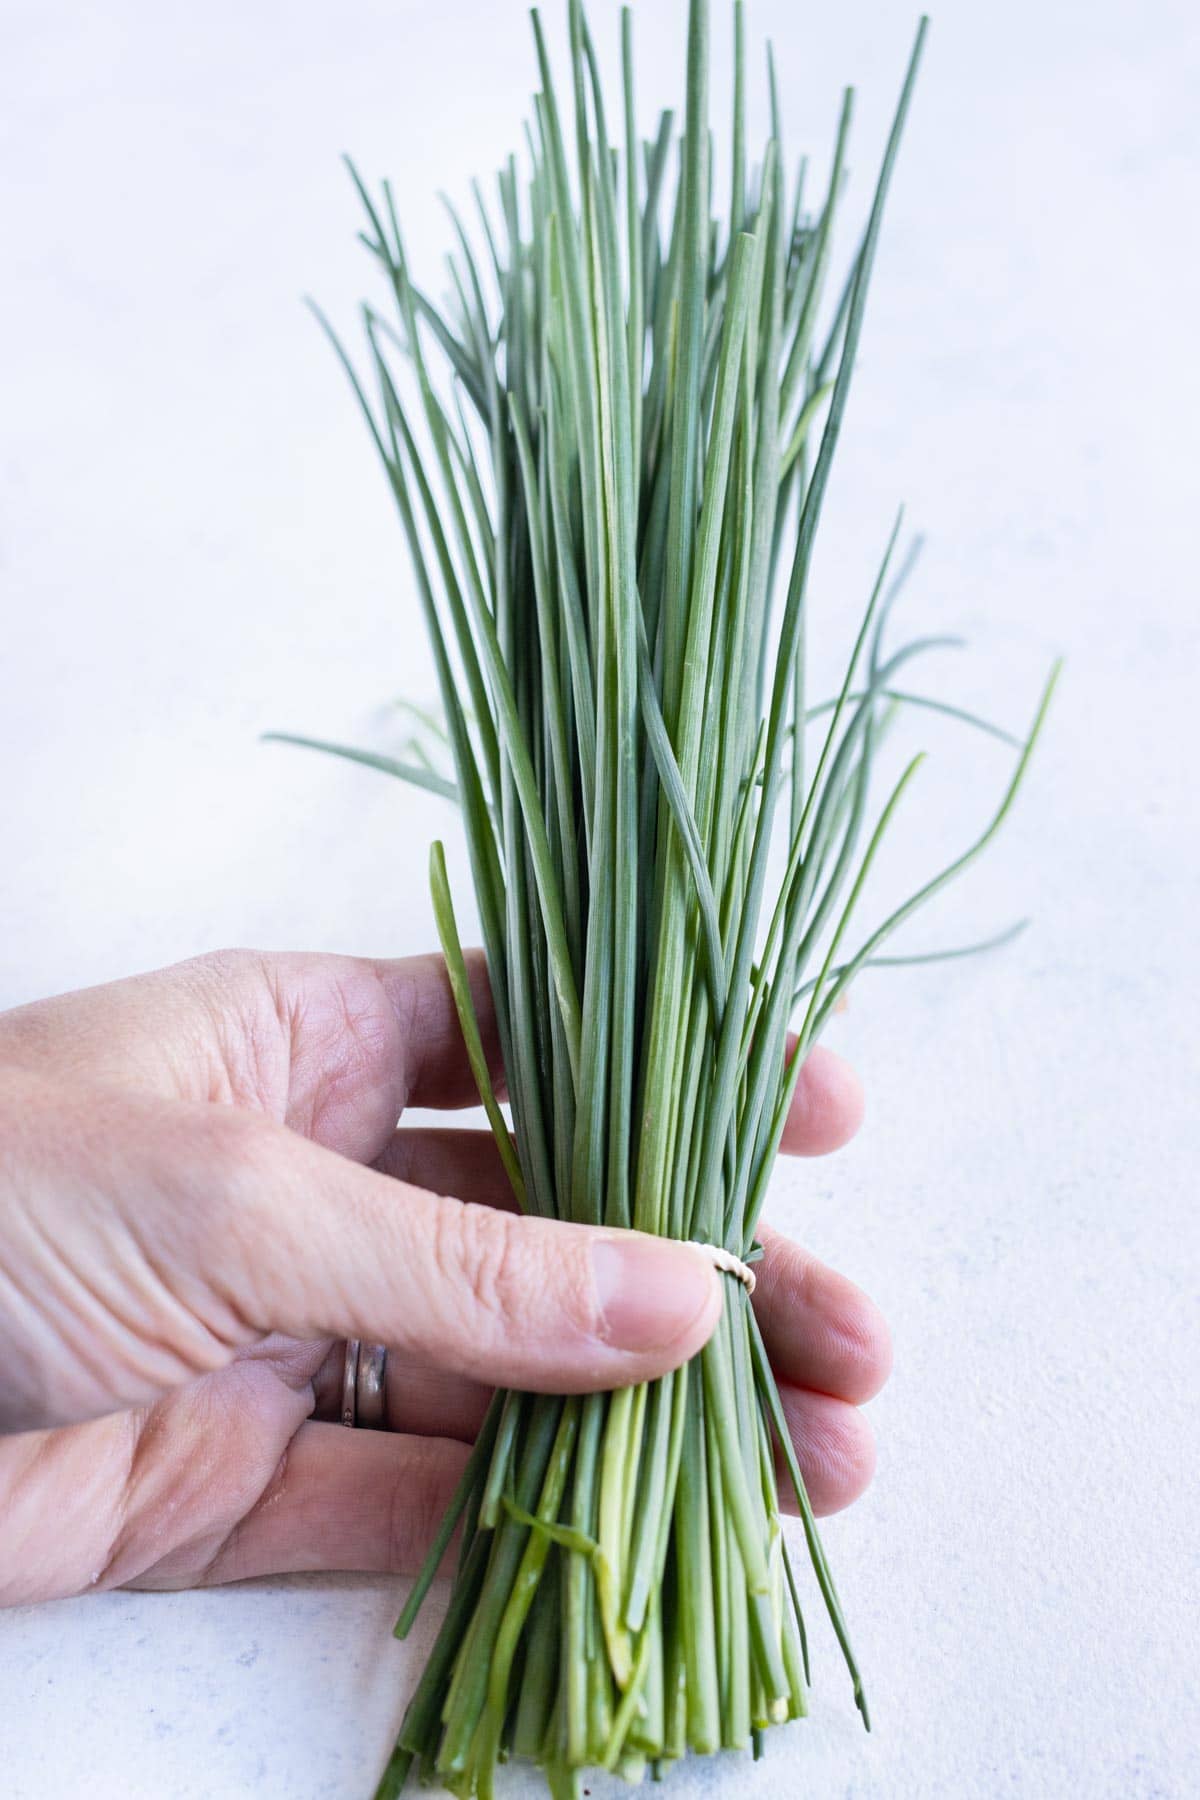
194 546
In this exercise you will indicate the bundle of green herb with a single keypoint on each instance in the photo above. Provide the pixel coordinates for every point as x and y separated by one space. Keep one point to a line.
601 457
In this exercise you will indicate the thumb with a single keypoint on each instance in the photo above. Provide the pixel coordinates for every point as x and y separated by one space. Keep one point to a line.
305 1242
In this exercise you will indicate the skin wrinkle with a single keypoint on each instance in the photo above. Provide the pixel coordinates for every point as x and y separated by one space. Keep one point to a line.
404 996
243 1151
253 1051
293 1013
92 1322
38 1460
501 1277
292 1363
22 1466
479 1246
432 1010
195 1345
863 1344
427 1017
102 1342
137 1423
360 1035
839 1447
412 1527
36 1396
226 1553
415 1514
226 1338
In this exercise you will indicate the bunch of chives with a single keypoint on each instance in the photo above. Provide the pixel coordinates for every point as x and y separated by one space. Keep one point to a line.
609 454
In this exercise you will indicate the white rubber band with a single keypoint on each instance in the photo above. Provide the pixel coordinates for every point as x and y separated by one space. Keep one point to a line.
728 1263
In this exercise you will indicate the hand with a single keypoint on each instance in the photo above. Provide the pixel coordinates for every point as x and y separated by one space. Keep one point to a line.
202 1189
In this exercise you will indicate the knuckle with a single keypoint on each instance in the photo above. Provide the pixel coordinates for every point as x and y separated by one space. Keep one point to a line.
219 972
418 1501
849 1455
405 1510
487 1258
227 964
835 1447
350 1047
234 1157
864 1346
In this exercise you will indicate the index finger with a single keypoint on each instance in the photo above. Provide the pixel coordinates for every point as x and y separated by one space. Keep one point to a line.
333 1046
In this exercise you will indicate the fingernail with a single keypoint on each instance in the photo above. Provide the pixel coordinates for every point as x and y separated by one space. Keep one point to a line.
650 1293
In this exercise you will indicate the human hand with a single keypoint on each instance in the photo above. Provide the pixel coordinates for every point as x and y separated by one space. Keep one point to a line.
202 1188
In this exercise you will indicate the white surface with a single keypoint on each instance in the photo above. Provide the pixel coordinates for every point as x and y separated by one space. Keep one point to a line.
195 546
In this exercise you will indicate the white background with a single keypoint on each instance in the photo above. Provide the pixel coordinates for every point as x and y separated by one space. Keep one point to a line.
194 546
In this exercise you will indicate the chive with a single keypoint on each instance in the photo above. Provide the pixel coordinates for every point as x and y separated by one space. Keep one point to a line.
415 774
610 451
460 987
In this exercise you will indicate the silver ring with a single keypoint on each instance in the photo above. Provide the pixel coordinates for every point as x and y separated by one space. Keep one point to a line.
370 1387
349 1407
